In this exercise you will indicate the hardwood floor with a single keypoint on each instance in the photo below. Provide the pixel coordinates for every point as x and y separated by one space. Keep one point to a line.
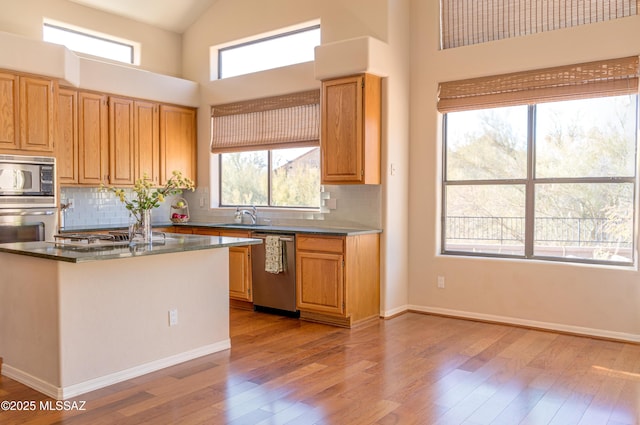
413 369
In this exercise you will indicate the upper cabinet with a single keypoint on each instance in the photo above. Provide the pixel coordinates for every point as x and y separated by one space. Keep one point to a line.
350 132
37 112
9 124
121 141
147 140
67 136
116 140
27 113
177 141
134 141
93 141
96 138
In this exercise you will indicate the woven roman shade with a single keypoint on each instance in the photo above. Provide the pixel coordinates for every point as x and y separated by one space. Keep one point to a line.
593 79
466 22
267 123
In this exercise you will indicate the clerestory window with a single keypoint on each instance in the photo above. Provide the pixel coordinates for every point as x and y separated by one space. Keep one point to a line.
282 49
88 42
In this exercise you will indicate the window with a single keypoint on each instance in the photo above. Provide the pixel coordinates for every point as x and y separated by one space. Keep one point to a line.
267 53
542 164
466 22
550 180
269 150
84 42
271 178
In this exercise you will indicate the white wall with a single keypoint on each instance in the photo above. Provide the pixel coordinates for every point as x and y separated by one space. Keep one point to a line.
161 50
591 299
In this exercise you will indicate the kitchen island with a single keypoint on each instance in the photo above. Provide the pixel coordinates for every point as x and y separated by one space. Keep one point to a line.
77 318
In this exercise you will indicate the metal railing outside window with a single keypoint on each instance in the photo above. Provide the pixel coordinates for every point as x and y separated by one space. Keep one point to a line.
557 230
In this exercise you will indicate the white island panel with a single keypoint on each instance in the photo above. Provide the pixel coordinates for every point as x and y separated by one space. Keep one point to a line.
29 332
70 328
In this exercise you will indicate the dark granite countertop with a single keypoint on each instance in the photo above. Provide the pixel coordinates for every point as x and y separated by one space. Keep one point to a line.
328 231
78 253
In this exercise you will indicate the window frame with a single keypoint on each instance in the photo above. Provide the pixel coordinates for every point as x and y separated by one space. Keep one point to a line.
134 47
269 186
286 33
530 183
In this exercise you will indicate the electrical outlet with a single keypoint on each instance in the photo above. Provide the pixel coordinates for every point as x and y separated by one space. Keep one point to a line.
441 282
173 317
202 202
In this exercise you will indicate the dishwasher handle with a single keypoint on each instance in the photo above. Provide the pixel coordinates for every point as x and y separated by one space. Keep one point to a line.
264 236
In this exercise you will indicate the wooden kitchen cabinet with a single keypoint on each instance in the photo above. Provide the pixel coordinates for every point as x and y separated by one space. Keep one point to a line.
134 141
38 98
93 142
350 135
182 229
67 136
240 282
178 141
338 278
121 142
9 124
147 140
27 113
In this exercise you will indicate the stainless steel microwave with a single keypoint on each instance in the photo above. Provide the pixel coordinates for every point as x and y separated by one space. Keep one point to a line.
27 181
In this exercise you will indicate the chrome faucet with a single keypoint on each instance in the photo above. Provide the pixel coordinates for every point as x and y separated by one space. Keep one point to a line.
252 213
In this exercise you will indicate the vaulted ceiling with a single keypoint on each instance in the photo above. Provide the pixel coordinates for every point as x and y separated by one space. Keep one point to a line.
172 15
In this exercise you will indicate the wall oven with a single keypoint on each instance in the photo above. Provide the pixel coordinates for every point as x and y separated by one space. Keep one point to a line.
28 202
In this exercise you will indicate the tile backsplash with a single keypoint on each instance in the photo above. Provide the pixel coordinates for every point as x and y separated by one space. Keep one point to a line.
342 206
93 207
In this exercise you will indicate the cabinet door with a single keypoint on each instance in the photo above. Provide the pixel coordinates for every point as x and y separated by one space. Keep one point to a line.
147 141
8 111
92 138
240 273
341 145
320 282
240 282
37 106
121 142
67 136
350 136
177 141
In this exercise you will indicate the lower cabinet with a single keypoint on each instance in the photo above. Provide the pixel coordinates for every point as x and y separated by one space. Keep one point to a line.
240 288
338 278
182 229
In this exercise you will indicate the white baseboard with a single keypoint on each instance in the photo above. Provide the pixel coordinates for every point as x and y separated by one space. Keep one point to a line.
63 393
578 330
394 311
30 381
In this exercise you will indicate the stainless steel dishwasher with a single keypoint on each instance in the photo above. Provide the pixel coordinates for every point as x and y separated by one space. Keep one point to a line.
274 292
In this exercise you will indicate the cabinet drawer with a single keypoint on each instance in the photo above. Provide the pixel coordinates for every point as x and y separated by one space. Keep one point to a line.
315 243
235 233
205 232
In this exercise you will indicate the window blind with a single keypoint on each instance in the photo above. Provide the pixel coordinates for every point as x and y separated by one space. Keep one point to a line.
593 79
267 123
466 22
